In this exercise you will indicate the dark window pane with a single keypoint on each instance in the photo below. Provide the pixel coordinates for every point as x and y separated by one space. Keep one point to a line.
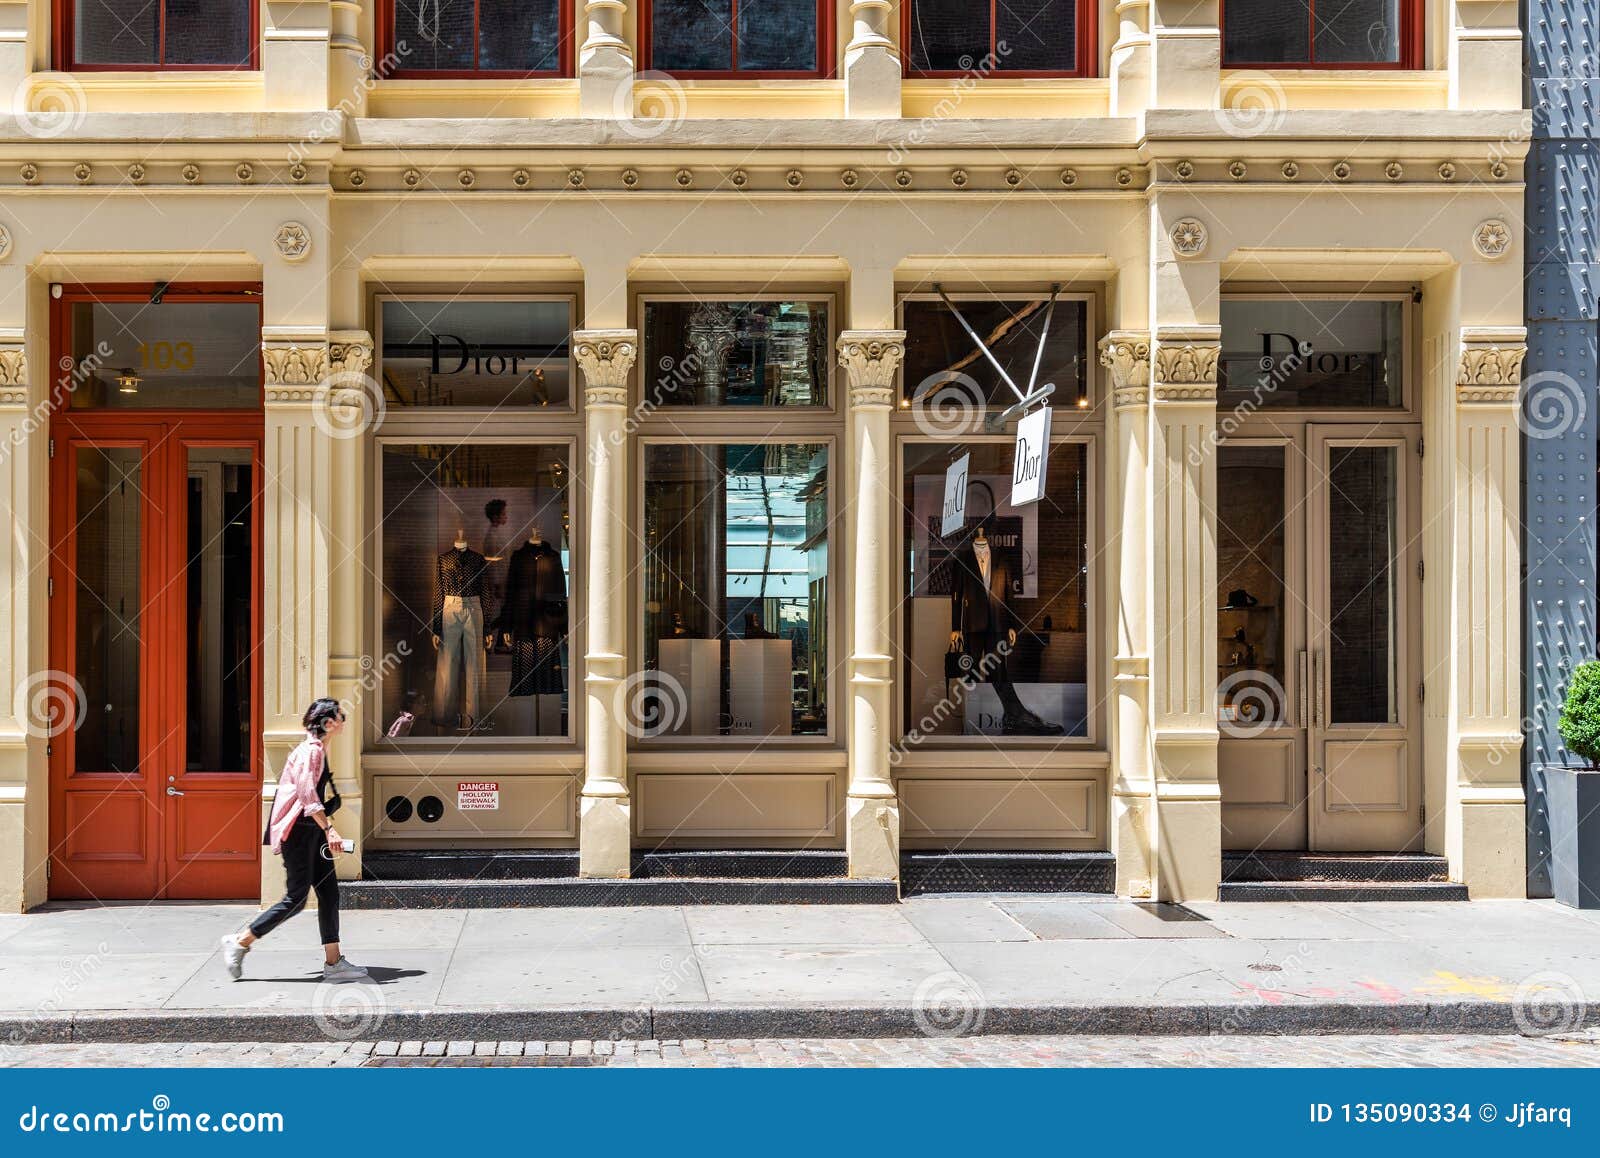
437 34
219 652
777 35
1040 35
946 372
117 32
1285 352
1355 31
734 353
106 563
1266 31
135 356
948 35
691 35
519 35
1252 531
468 351
1361 592
209 32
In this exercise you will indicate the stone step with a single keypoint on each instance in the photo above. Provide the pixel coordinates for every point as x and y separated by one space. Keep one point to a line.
1341 891
751 864
922 873
580 892
1355 867
493 864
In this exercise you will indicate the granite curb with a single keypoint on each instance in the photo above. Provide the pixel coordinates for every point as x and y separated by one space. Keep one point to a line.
796 1020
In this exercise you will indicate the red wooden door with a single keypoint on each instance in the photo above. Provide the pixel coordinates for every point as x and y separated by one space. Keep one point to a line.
155 569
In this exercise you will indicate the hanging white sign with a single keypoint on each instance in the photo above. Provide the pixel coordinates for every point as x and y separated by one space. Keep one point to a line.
955 496
1032 457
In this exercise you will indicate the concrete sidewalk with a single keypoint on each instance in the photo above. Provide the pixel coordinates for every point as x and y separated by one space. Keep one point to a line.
992 964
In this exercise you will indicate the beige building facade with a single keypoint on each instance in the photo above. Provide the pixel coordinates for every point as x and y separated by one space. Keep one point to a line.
701 337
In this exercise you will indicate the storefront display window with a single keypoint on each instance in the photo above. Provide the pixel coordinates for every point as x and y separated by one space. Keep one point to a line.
736 590
476 586
490 353
1312 353
171 355
996 622
736 352
947 376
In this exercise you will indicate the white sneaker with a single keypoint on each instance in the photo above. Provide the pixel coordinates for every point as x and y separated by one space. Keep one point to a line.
233 955
343 970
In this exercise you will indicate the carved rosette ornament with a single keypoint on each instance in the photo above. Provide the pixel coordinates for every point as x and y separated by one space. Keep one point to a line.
1491 366
293 241
870 360
606 358
1189 237
1492 239
1185 366
1126 354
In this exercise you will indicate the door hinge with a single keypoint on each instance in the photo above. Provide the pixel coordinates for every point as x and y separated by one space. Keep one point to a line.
1419 446
48 865
52 448
50 587
1420 569
1422 812
1422 693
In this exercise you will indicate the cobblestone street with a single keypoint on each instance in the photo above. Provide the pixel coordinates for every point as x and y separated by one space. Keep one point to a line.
1034 1052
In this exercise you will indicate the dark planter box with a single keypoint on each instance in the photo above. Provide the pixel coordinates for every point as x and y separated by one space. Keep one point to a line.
1573 796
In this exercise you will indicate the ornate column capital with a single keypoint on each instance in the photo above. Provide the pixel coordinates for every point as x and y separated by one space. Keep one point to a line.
13 368
606 358
1185 366
1126 353
295 361
1490 373
349 352
871 359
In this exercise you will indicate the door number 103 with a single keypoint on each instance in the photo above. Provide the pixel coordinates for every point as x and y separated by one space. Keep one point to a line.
166 355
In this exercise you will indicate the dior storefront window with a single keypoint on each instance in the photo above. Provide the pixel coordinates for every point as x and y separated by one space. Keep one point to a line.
1313 352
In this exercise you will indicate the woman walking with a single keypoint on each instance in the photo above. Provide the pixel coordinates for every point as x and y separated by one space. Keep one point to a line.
300 830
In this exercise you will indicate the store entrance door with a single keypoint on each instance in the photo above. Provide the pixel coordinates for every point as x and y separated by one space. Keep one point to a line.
1318 640
154 681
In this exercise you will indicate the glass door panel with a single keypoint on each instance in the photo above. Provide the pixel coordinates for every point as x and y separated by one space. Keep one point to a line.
220 568
1362 543
107 559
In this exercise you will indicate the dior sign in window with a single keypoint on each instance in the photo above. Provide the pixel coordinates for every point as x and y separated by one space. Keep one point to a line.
489 353
1313 353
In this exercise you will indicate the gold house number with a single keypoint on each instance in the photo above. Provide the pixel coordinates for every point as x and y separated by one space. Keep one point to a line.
166 355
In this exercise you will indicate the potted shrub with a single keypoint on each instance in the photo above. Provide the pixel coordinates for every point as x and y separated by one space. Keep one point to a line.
1572 794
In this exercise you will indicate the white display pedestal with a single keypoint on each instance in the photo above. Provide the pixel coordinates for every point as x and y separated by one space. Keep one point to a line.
761 686
696 665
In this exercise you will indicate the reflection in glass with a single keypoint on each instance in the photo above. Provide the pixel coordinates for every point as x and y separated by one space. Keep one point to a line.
476 613
691 35
945 370
1022 569
138 356
107 557
221 565
476 352
1020 36
1312 354
1361 584
736 590
1251 679
1303 32
736 353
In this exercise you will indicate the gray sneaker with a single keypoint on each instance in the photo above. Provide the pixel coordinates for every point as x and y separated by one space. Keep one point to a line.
233 955
343 971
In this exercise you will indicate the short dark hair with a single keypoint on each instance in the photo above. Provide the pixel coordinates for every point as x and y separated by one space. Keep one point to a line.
494 508
320 713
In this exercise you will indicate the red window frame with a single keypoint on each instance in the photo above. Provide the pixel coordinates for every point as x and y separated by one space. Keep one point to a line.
386 39
1087 53
1412 16
64 14
825 52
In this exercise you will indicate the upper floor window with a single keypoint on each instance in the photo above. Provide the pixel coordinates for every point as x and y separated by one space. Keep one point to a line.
152 34
1322 33
1008 37
445 38
728 38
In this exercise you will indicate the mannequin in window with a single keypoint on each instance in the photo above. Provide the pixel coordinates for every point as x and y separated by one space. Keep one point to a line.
981 619
533 623
458 635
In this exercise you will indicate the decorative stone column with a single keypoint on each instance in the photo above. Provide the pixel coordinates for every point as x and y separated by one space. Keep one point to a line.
349 60
1485 824
1126 354
1485 55
871 359
872 69
605 835
1130 59
605 61
23 778
1183 621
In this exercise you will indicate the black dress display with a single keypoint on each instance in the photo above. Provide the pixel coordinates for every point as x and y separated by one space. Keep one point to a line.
980 612
535 616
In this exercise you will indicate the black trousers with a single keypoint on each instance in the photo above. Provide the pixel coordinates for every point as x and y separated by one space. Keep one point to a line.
308 866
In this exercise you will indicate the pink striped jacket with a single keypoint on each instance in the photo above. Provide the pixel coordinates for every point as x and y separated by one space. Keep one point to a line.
296 795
